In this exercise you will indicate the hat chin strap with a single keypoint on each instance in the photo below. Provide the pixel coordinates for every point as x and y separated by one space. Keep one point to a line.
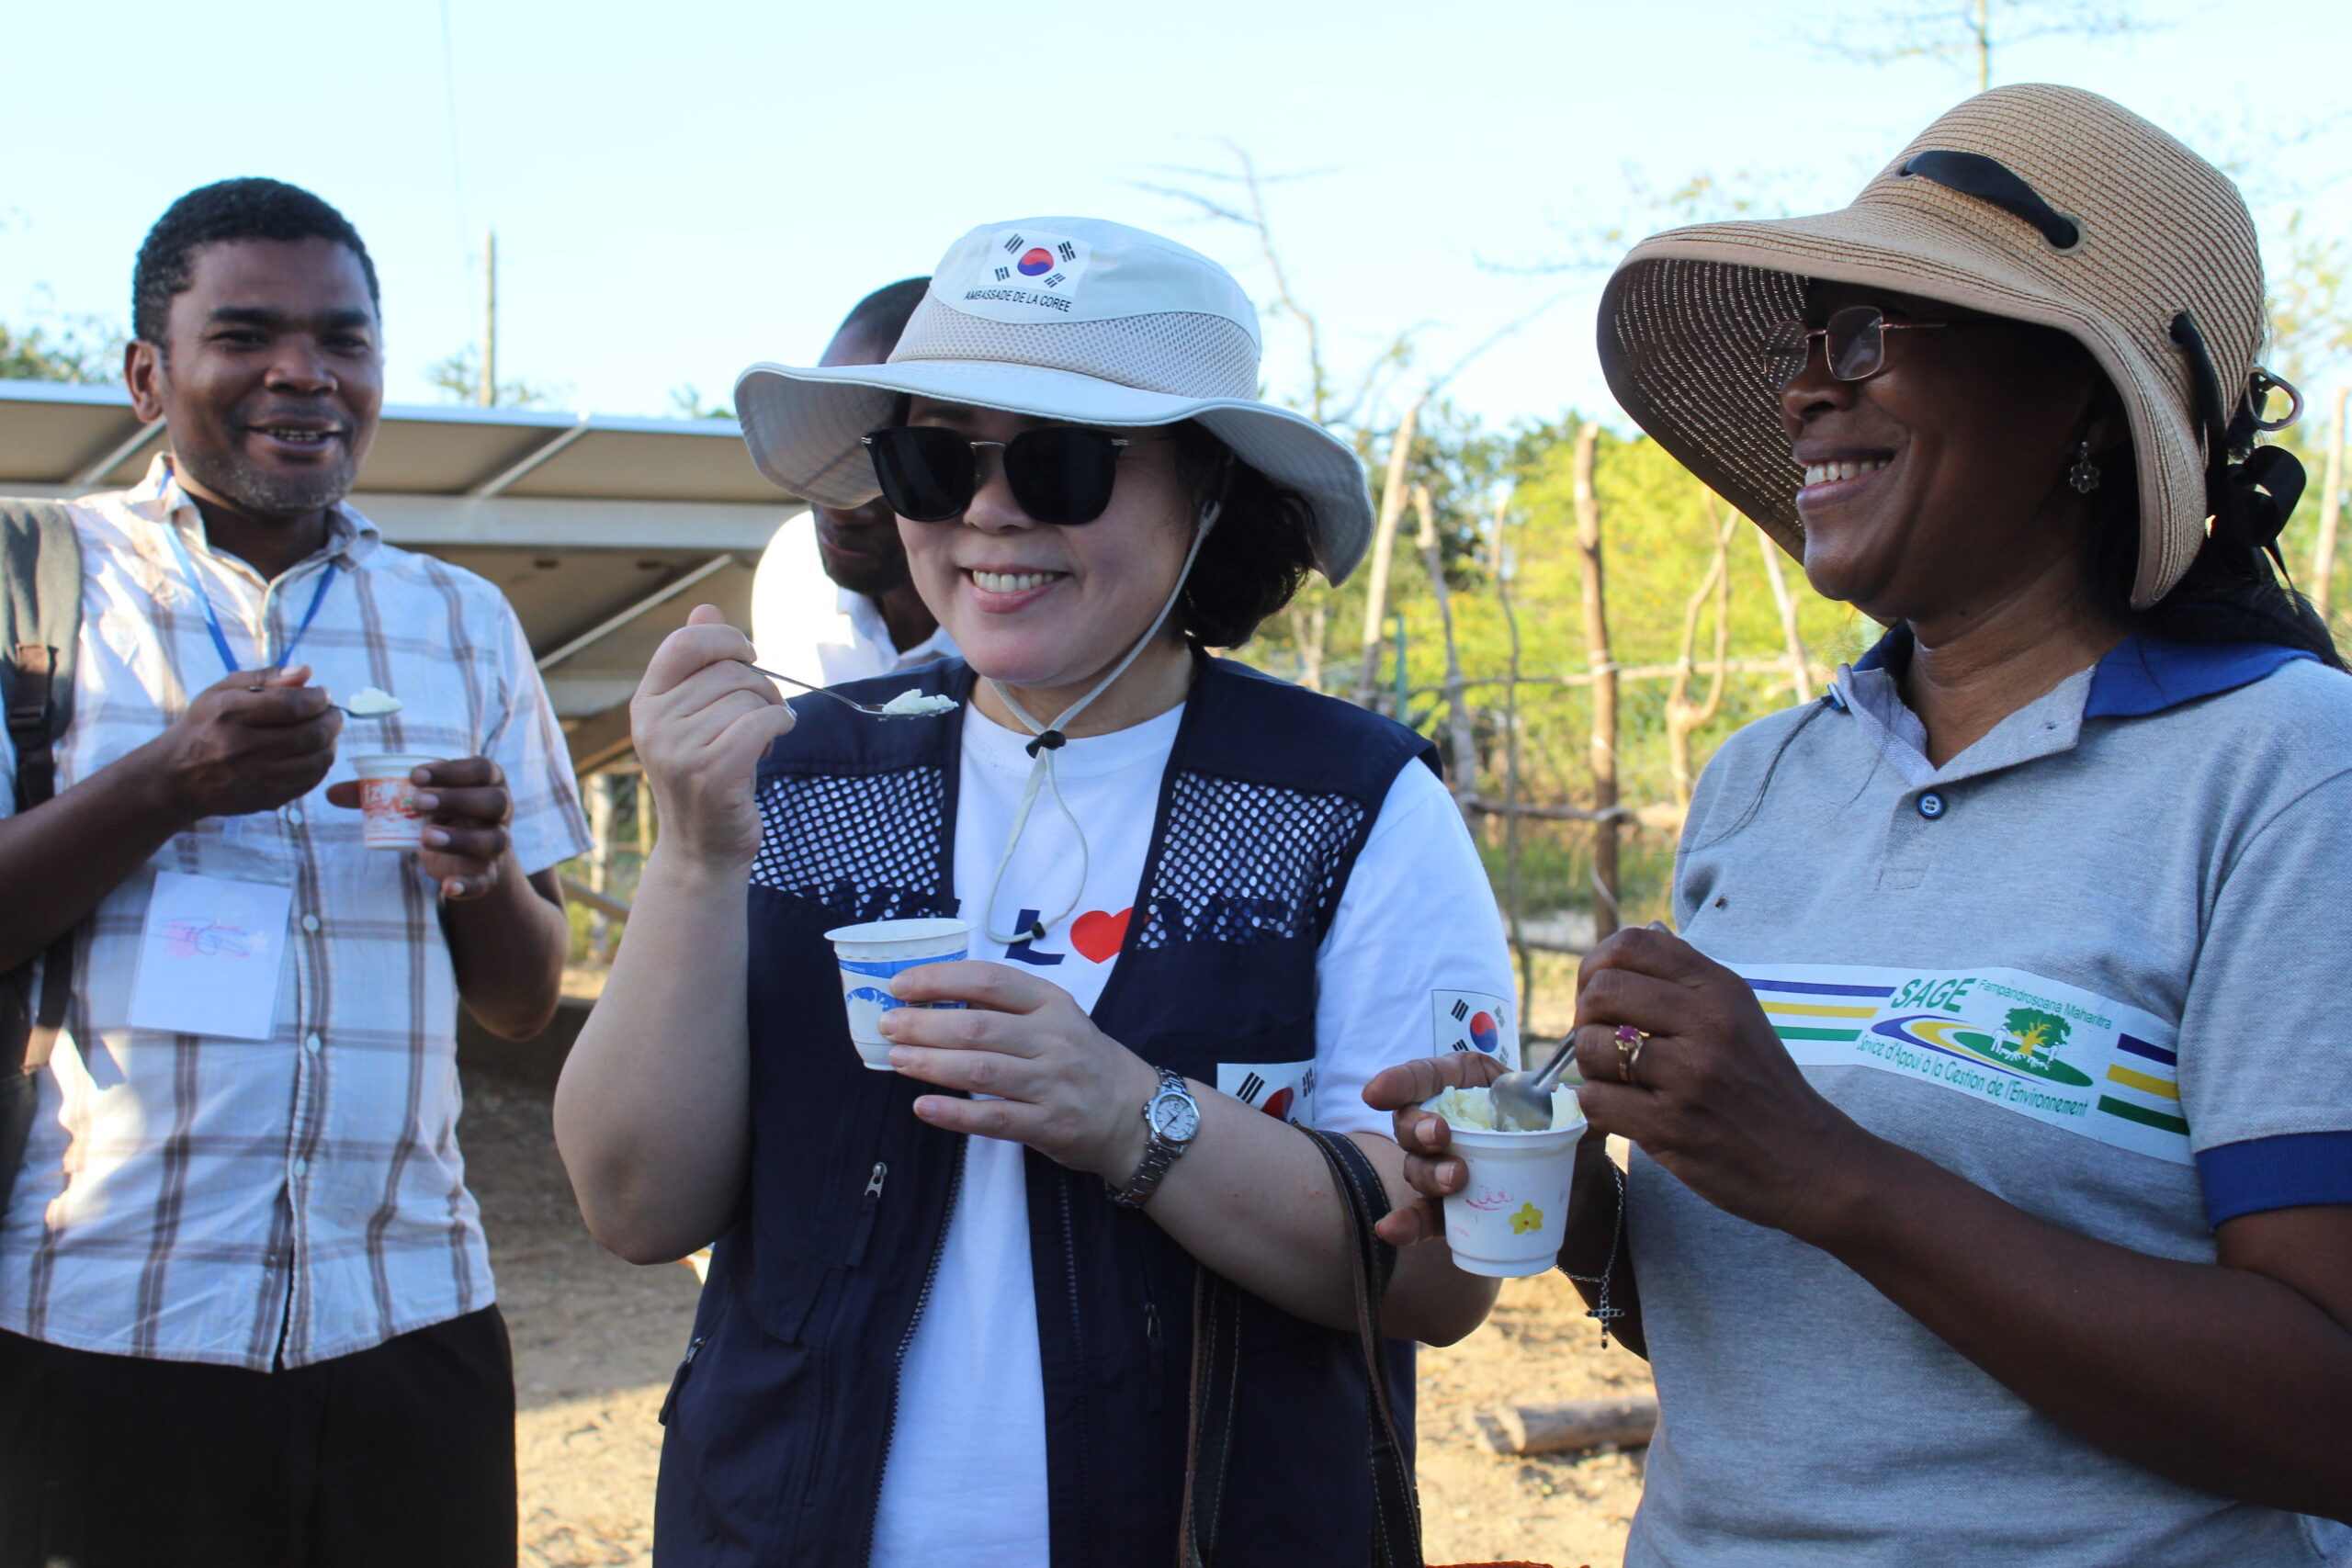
1050 738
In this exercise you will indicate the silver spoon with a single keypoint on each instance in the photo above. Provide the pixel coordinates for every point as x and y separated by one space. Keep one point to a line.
346 712
1522 1100
868 708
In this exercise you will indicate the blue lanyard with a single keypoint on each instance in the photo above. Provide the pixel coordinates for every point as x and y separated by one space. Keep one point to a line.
219 637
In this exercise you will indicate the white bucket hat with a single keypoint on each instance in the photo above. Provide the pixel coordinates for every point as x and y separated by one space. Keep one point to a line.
1071 318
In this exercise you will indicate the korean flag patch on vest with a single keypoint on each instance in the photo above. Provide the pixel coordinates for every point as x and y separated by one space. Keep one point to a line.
1284 1091
1035 273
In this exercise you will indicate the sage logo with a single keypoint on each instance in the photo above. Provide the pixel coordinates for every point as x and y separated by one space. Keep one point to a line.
2031 1039
2026 1045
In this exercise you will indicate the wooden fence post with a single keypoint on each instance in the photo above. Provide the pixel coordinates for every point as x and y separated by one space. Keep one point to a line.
1605 686
600 860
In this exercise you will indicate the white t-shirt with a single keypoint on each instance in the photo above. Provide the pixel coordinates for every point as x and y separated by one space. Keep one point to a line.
805 624
1414 963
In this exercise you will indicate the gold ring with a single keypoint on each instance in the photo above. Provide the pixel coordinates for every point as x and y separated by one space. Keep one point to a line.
1629 1049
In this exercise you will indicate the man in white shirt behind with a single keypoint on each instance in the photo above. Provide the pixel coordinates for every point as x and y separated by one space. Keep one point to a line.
831 600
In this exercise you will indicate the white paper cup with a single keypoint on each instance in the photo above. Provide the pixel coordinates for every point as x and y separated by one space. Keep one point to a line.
871 955
389 800
1510 1217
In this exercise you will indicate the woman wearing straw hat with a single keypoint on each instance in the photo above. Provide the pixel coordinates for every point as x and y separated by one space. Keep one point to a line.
952 1315
1992 1200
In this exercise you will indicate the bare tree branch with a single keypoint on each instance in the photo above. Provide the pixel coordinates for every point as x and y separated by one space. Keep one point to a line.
1384 543
1250 212
1684 718
1970 34
1603 740
1504 565
1465 759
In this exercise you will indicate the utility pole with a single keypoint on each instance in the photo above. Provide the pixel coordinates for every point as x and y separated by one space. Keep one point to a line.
487 396
1984 25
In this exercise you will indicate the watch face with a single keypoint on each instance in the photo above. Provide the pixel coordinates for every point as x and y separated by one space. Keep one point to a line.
1175 1118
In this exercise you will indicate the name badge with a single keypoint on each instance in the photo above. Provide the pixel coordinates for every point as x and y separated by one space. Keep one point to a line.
210 956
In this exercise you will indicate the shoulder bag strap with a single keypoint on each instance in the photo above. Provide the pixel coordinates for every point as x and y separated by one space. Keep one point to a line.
32 678
41 621
1396 1507
1216 1365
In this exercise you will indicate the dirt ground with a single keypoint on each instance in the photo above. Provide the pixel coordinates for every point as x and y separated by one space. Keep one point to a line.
595 1339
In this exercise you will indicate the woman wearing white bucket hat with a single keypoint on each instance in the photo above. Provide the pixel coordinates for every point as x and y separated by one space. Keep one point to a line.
1992 1200
983 1308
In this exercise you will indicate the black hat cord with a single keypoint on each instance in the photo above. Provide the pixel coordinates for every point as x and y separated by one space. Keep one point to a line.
2251 491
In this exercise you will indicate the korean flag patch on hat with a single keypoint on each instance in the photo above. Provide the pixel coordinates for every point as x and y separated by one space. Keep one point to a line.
1075 321
1027 275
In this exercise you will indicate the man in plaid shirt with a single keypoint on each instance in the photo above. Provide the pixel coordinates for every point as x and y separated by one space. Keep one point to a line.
245 1311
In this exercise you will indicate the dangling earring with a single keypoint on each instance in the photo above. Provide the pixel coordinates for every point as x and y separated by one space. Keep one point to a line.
2083 474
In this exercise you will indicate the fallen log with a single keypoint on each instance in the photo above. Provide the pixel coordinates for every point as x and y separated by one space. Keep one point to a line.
1574 1424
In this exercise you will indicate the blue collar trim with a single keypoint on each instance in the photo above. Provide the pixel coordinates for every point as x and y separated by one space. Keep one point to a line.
2140 675
1890 652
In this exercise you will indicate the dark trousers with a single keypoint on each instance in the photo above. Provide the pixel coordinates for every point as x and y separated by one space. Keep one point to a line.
401 1455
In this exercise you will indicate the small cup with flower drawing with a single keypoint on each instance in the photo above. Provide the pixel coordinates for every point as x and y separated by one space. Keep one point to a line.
1508 1220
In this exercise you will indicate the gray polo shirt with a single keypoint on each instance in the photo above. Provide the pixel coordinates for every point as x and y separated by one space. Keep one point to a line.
2089 965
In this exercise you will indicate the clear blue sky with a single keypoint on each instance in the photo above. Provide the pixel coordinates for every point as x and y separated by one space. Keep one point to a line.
681 189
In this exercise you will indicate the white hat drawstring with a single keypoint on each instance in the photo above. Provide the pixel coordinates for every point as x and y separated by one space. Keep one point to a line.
1050 738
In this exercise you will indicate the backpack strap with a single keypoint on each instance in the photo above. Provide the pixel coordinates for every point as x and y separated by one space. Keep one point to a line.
41 624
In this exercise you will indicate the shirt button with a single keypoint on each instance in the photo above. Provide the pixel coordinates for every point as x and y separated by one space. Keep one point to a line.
293 817
301 1167
1931 806
309 922
310 1043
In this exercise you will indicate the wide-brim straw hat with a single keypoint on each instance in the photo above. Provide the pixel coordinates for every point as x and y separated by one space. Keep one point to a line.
2118 230
1068 319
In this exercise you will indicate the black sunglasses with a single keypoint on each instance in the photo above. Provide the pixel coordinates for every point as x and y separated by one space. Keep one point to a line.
1058 474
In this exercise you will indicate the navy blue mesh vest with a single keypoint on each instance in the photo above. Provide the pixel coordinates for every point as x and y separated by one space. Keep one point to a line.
780 1419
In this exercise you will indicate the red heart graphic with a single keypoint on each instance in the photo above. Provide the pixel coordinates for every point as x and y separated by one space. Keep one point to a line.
1099 936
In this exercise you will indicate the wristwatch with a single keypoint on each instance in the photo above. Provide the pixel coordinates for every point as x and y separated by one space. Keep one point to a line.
1171 1116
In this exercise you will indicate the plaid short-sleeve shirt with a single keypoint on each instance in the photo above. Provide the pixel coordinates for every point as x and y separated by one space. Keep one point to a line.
281 1202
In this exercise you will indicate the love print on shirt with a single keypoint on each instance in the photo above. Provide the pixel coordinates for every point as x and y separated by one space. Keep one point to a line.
1099 936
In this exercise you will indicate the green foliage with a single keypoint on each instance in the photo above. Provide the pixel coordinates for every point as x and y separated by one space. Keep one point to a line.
1659 531
687 401
2311 305
86 349
458 378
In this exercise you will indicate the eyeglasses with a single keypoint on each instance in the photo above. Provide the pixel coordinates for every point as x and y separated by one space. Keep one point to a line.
1060 475
1854 344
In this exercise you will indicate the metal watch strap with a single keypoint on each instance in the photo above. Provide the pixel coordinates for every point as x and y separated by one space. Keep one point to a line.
1158 1153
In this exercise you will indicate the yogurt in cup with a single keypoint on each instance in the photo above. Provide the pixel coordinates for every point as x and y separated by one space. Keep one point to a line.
871 955
1507 1221
388 798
